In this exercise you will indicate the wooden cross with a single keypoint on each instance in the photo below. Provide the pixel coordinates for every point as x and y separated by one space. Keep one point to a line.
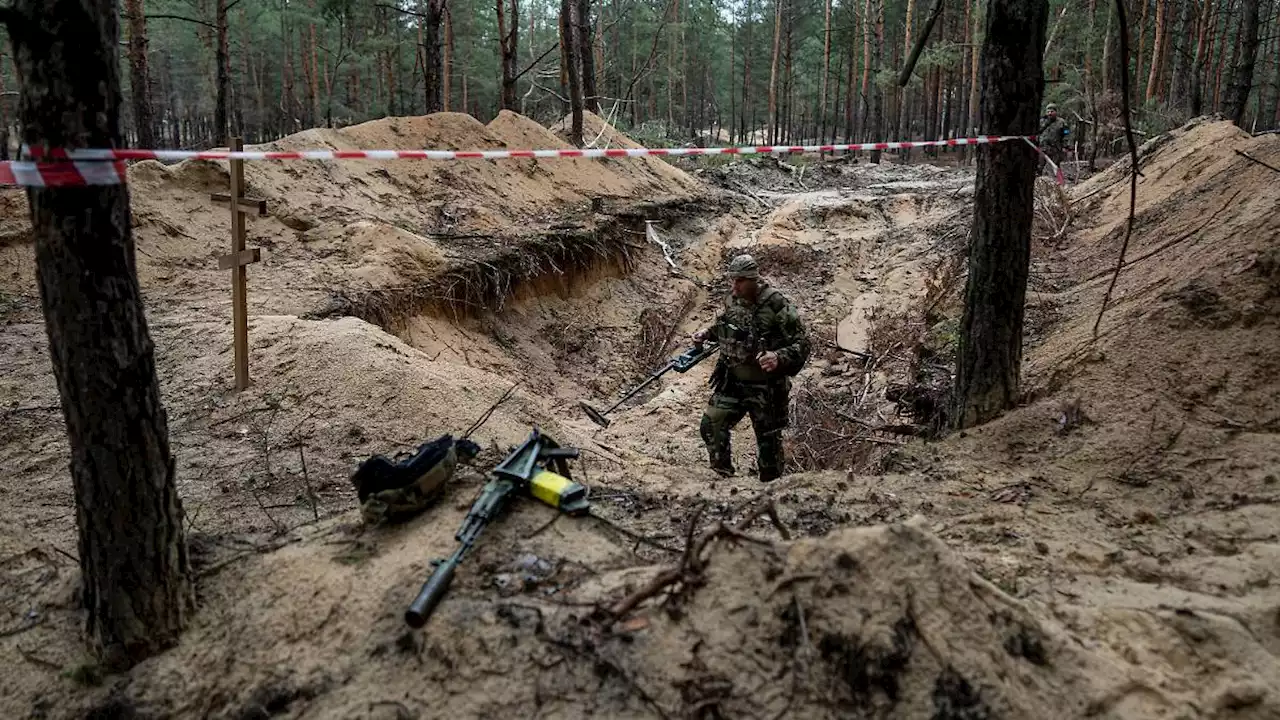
239 258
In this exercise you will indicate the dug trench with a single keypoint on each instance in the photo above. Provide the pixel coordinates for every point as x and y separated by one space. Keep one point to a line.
1106 550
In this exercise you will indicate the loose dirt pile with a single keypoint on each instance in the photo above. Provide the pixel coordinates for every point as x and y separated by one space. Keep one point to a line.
1107 550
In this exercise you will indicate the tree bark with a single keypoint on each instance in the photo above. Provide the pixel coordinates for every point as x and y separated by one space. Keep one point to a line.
974 55
1200 67
989 358
507 44
1178 87
1157 51
1237 100
313 76
748 109
573 64
586 58
432 64
135 584
773 72
139 77
446 72
903 119
826 72
223 59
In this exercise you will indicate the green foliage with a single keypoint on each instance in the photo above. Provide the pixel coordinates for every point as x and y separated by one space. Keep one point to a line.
674 69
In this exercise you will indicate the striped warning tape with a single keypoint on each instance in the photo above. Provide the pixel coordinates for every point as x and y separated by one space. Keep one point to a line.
62 168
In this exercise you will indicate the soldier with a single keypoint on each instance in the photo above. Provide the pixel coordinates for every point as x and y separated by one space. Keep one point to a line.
1052 136
762 344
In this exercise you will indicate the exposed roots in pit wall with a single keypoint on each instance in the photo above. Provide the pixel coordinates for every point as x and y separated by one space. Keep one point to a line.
473 287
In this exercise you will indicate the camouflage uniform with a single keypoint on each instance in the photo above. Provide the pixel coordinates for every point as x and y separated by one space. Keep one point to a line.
1052 137
741 387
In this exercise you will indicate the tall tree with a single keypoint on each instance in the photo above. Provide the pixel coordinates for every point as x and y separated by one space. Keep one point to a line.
1237 100
135 573
139 78
432 62
572 54
989 359
222 58
826 71
508 35
586 58
773 72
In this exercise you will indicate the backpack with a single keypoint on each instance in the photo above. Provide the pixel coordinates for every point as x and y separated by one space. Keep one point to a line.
394 491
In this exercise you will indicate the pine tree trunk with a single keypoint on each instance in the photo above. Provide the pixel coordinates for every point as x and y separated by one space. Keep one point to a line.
1200 66
573 63
507 44
773 72
1140 33
1274 112
313 77
878 97
1237 100
446 73
974 85
864 111
1157 52
903 124
135 584
586 58
432 63
1221 62
989 357
139 78
1179 87
851 74
826 71
222 58
600 69
748 111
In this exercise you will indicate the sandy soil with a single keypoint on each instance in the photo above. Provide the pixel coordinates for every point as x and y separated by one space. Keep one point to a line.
1106 550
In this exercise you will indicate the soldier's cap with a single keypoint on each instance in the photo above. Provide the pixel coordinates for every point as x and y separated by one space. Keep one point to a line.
743 266
1051 108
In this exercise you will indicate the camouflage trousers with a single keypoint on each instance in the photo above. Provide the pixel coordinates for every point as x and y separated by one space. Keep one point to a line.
767 406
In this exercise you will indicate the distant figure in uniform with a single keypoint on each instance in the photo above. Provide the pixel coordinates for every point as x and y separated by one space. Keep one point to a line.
762 344
1052 137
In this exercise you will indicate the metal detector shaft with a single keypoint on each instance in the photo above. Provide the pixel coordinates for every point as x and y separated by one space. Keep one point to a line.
640 387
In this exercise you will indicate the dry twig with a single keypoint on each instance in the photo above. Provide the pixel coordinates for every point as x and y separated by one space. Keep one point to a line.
1249 157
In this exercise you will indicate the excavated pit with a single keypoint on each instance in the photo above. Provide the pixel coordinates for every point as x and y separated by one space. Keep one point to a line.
1104 551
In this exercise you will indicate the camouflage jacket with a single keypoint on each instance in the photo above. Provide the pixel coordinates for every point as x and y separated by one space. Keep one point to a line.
770 323
1053 133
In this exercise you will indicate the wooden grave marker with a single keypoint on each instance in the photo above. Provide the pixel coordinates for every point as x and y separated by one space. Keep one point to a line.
239 259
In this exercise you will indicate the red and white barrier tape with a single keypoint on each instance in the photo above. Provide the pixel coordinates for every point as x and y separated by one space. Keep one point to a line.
1058 175
62 174
64 168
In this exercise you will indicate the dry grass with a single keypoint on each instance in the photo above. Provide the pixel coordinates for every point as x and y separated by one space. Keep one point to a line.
1053 213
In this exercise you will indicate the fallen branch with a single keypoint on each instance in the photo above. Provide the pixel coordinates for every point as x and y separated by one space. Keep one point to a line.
910 66
485 417
768 509
1251 158
688 572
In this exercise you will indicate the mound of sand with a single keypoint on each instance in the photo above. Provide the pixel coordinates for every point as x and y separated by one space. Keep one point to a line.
347 224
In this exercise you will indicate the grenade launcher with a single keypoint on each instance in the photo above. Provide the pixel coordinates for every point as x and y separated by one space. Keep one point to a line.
523 472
